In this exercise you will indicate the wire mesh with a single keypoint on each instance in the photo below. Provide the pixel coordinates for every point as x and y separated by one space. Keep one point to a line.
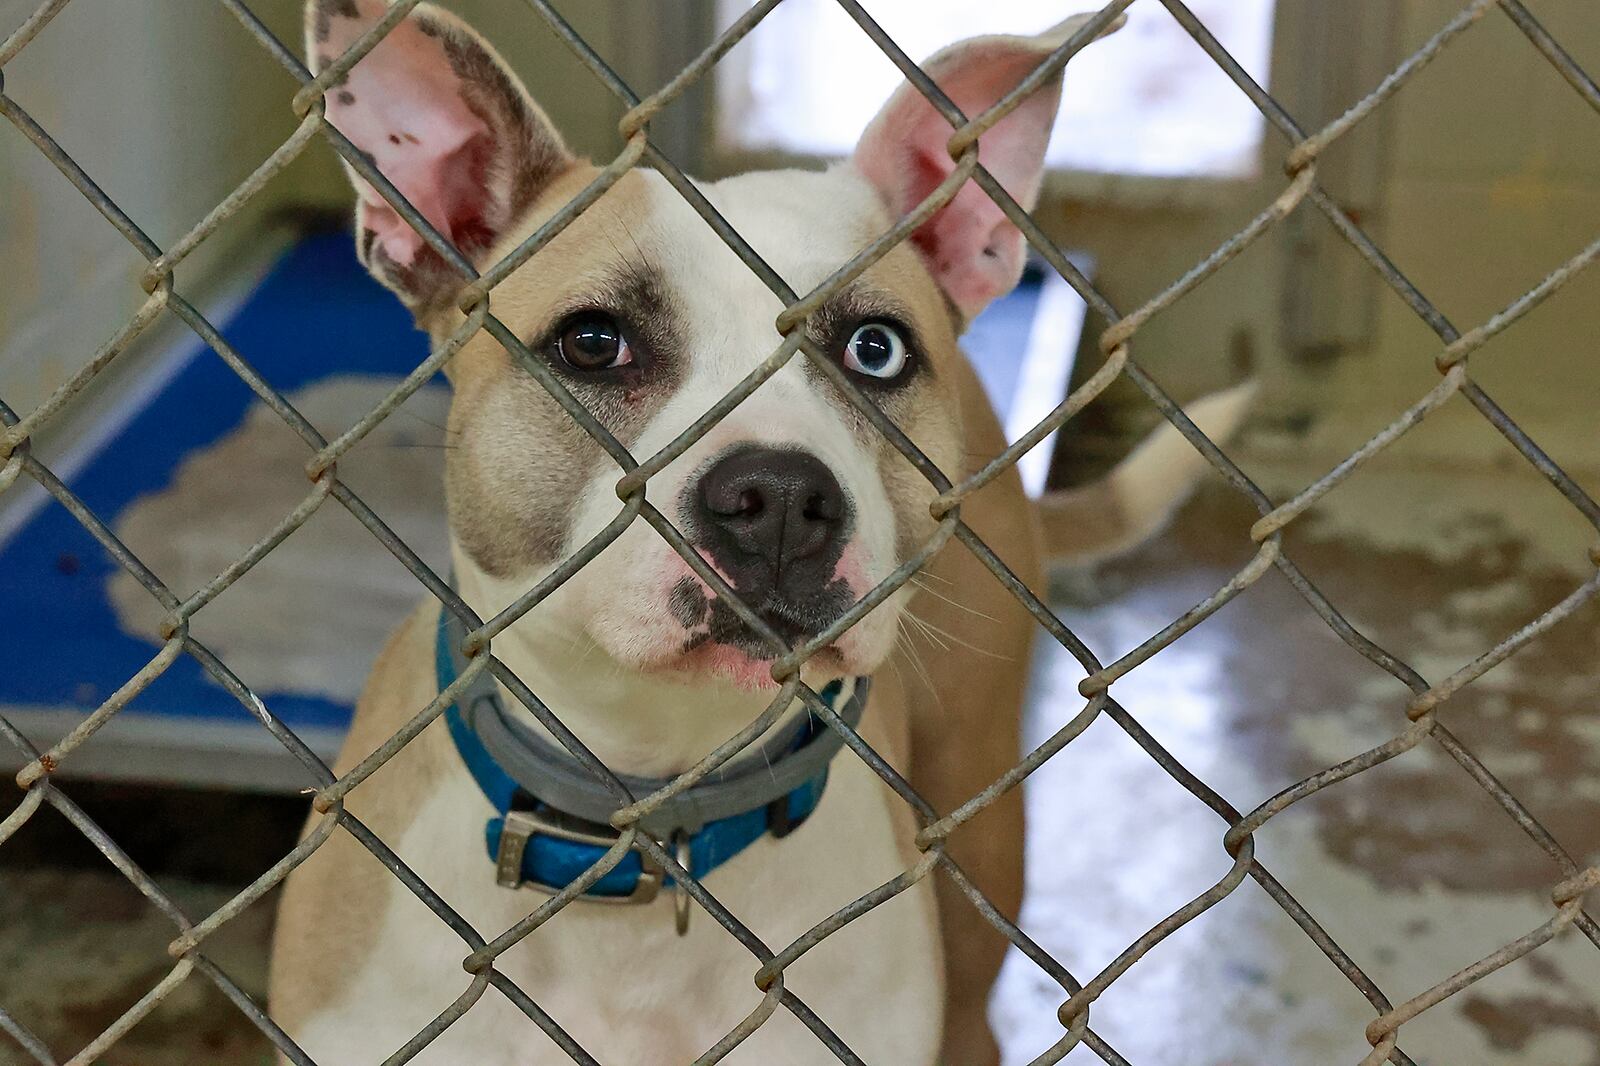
1419 723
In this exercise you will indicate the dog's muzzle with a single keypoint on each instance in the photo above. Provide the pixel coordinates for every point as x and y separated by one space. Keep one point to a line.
775 523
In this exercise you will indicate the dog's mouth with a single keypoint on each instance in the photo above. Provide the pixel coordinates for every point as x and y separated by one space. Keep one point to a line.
721 644
738 666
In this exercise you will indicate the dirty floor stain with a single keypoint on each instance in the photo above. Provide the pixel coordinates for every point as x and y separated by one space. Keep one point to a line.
1411 867
79 948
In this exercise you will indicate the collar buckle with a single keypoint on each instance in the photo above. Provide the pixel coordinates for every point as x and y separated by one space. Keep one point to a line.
520 826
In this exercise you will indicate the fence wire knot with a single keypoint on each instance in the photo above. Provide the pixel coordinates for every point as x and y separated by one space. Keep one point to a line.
1418 721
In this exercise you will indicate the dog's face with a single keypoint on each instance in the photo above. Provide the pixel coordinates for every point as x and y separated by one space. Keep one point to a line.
649 319
793 497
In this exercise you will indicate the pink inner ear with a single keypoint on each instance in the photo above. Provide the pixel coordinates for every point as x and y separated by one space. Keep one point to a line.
972 249
403 105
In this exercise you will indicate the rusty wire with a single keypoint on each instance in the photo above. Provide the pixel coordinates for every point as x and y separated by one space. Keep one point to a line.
1417 719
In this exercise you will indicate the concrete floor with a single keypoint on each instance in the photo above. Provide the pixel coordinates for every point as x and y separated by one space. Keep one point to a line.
1410 867
79 945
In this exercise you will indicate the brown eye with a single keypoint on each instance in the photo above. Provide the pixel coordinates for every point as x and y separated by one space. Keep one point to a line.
594 341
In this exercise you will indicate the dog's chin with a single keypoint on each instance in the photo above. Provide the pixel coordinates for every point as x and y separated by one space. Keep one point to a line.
745 669
713 647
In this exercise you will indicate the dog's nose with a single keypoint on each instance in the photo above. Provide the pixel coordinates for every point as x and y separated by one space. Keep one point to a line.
774 520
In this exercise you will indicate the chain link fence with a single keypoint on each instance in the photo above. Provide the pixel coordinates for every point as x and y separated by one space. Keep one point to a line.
1418 721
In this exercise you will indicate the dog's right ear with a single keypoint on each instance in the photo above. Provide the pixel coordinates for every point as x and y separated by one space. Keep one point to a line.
970 247
441 116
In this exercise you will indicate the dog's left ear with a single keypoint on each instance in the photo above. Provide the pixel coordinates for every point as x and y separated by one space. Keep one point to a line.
440 115
972 249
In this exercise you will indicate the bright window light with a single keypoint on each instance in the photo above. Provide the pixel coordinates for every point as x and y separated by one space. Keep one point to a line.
1145 101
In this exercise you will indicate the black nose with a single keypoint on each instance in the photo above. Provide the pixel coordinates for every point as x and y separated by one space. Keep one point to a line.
773 521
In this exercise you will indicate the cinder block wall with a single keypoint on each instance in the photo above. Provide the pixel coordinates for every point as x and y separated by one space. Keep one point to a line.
1492 180
1479 177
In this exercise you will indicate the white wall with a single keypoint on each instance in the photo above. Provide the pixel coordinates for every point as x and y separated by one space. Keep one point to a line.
167 107
1493 181
1477 178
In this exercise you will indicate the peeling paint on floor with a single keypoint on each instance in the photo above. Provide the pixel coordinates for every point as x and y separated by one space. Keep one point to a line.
1411 867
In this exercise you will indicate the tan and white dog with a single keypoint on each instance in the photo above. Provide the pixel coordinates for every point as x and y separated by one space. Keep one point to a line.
648 318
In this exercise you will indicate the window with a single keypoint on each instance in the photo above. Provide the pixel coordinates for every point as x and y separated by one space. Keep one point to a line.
1145 101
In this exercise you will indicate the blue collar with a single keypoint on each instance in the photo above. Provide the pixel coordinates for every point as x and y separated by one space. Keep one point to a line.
534 842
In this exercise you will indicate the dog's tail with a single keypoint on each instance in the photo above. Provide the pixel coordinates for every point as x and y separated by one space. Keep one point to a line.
1129 505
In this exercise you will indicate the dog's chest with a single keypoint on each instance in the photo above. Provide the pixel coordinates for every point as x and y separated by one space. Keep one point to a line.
621 981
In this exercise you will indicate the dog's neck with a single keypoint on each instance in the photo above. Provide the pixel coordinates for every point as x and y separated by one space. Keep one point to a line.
649 725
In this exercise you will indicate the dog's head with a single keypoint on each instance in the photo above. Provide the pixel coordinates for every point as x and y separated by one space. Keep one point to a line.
644 313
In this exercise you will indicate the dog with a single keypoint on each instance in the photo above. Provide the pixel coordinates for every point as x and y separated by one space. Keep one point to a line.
793 498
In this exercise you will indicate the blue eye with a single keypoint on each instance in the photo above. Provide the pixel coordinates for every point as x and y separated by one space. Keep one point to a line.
877 350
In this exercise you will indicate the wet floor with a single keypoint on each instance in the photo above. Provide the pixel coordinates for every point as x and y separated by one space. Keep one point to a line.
1410 867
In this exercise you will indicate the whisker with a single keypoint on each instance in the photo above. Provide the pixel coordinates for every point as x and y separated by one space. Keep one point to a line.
918 666
442 428
927 632
951 602
957 640
927 681
439 447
